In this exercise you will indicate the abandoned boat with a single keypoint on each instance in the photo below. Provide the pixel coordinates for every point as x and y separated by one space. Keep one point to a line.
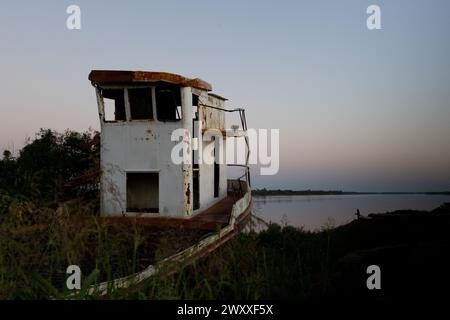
142 179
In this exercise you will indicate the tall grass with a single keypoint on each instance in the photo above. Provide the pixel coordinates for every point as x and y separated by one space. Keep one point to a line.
279 263
282 262
38 244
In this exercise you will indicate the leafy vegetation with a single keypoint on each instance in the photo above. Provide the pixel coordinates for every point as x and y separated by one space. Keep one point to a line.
52 168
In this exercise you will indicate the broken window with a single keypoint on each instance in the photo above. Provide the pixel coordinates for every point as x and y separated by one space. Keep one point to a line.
143 192
141 106
114 105
168 103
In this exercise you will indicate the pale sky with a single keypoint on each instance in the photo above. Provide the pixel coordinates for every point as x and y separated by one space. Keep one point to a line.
357 109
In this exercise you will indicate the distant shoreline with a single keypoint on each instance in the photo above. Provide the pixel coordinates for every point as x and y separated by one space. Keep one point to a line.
279 192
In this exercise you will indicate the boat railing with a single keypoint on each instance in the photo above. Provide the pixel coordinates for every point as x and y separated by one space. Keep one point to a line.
243 120
240 185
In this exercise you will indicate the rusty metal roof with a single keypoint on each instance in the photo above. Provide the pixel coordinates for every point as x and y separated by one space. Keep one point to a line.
118 77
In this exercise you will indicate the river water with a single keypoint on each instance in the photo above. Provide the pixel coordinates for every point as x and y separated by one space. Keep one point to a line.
314 212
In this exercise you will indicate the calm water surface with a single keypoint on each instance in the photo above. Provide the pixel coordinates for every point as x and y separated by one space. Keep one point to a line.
314 212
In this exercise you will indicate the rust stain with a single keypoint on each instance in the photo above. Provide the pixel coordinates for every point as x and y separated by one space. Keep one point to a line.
187 202
188 194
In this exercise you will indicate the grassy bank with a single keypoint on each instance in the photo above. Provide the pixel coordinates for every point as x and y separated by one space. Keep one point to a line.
38 244
410 247
35 254
281 262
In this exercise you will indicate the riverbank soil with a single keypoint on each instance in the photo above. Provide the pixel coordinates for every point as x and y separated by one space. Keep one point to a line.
411 248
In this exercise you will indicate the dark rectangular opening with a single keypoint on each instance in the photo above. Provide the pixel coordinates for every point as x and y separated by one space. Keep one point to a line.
216 179
143 192
168 103
196 183
141 106
216 170
195 100
114 105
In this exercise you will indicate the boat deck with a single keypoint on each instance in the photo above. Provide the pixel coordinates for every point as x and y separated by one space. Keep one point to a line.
215 217
218 213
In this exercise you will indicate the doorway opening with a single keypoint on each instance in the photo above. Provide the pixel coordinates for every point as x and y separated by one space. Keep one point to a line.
143 192
196 183
216 171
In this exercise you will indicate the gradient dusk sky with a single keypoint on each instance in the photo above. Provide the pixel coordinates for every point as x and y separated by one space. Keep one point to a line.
357 109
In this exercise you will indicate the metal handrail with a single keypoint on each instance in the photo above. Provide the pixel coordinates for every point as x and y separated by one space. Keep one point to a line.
240 180
221 109
243 119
